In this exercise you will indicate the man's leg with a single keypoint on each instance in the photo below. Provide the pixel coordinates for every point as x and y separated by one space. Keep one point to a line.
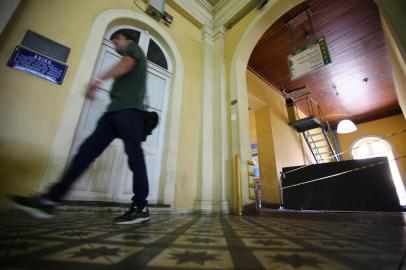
90 149
129 125
43 207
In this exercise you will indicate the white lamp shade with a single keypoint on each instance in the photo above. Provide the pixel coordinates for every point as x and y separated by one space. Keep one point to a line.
346 126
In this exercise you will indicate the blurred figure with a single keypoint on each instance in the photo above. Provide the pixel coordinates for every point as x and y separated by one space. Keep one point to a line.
123 119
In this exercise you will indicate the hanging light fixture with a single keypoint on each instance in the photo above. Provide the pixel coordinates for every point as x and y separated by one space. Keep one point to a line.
346 126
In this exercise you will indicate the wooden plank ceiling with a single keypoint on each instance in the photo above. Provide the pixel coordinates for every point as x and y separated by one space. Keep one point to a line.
359 72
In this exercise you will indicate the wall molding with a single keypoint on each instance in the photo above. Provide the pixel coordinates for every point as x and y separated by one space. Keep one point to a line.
198 10
225 13
230 12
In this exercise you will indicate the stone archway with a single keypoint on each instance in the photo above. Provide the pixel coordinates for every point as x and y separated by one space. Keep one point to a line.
238 84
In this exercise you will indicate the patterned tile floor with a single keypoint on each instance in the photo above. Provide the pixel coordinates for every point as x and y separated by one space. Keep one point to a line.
91 241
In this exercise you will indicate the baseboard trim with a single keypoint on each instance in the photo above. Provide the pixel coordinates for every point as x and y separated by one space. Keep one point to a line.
250 209
270 205
108 204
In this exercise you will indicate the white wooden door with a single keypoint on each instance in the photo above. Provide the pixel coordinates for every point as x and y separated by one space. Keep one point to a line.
158 82
109 178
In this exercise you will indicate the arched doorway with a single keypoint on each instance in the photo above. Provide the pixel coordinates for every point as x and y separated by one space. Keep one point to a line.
240 144
62 144
374 146
109 178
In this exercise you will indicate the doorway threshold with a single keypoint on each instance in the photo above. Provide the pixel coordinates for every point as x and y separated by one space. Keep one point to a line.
106 207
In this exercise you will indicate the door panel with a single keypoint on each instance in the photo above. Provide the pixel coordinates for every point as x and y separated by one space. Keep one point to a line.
108 58
109 177
96 182
155 91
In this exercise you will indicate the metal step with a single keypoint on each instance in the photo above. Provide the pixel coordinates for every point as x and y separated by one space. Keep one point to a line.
325 159
315 134
306 124
316 141
324 153
323 146
320 154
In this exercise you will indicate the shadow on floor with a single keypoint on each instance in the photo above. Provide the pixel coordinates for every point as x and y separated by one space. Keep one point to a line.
270 240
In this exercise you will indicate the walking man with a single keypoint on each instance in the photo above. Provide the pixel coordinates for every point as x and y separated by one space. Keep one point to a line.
123 119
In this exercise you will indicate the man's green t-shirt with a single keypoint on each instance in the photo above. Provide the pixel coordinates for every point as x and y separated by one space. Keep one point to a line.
128 91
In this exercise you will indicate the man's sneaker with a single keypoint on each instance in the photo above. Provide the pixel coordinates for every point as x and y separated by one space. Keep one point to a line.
133 216
34 206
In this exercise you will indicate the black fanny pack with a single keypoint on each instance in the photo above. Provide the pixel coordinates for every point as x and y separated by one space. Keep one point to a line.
151 120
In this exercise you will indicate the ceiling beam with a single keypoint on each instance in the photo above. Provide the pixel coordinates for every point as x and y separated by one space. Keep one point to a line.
225 12
228 13
200 10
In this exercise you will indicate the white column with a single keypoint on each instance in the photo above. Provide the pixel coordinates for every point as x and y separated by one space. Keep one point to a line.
221 136
204 202
213 178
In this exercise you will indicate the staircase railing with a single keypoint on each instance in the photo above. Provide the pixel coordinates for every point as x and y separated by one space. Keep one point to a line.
314 110
310 105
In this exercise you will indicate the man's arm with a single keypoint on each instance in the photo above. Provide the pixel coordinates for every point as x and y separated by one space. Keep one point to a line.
121 68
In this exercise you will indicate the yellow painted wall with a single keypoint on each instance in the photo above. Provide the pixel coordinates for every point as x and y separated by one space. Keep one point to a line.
270 188
253 126
279 145
233 39
382 128
31 108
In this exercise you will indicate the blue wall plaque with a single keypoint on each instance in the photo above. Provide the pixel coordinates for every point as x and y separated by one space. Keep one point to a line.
38 65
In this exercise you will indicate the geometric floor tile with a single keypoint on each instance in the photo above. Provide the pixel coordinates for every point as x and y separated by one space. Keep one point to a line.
269 243
198 227
306 235
94 253
341 245
72 234
255 234
133 237
193 258
200 240
296 260
23 246
92 241
161 229
12 232
205 232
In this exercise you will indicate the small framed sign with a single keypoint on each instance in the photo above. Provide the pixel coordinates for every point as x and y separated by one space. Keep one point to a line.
38 65
45 46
